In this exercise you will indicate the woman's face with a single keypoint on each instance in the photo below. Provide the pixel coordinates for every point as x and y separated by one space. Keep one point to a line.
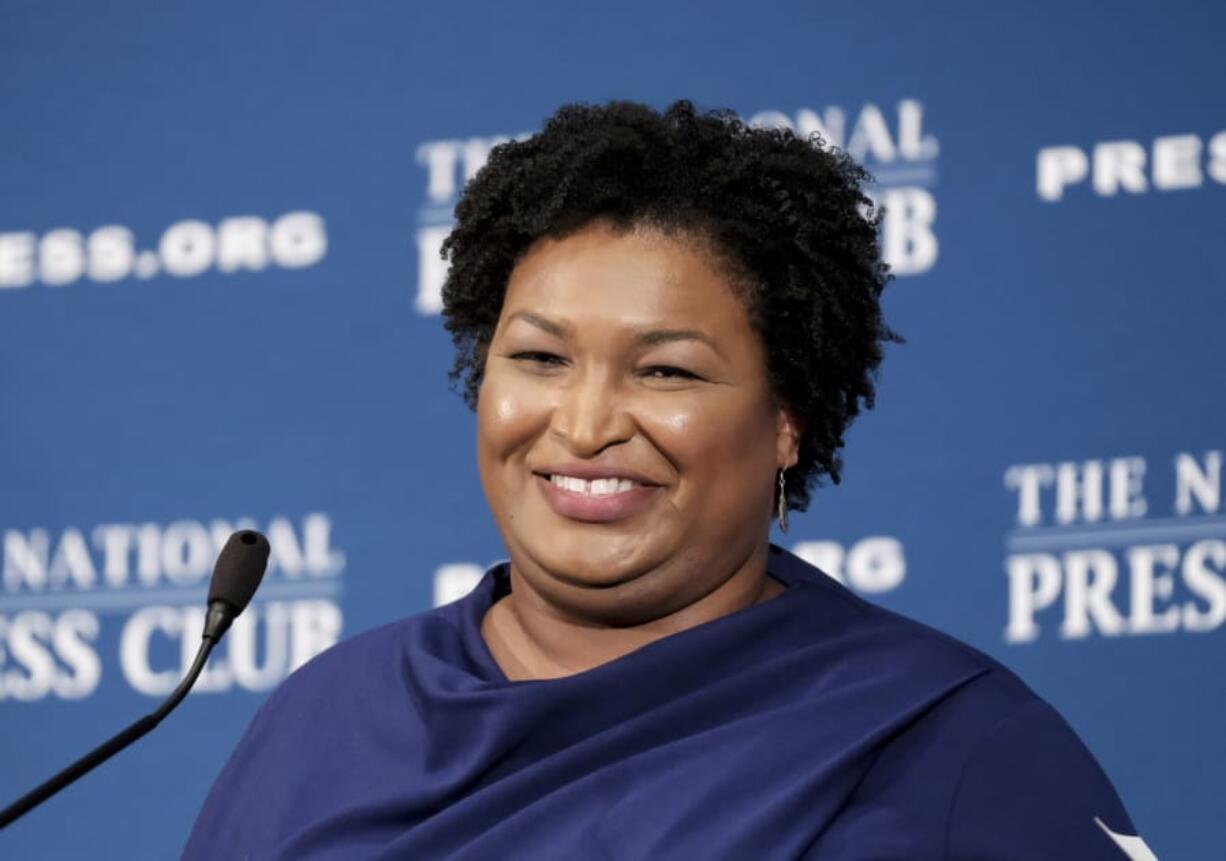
627 440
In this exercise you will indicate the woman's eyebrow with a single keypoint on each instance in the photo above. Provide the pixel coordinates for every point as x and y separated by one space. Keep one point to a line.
655 337
649 338
543 323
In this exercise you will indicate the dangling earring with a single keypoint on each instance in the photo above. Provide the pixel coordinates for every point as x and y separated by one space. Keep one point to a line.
783 502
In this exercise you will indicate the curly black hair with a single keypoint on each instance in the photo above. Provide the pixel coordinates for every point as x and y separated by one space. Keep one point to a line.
786 214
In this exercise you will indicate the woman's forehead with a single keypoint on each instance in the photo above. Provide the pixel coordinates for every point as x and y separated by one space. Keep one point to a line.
641 274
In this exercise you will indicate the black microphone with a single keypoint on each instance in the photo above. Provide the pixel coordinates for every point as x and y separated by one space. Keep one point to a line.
239 569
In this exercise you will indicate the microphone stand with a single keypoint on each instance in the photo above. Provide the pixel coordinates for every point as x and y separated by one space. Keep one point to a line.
116 743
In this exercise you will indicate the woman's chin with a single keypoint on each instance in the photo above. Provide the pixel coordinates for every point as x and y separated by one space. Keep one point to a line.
589 560
621 597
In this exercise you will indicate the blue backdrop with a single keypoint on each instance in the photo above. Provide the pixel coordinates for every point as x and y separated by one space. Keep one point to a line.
218 307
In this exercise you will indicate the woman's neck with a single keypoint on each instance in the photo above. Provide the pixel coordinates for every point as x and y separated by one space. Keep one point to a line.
530 639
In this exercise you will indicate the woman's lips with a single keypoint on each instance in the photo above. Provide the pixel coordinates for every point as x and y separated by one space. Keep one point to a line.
592 507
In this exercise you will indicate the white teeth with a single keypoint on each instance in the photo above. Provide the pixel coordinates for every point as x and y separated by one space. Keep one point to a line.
596 487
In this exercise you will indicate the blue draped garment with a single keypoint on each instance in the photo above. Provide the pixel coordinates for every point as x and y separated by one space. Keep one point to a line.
814 725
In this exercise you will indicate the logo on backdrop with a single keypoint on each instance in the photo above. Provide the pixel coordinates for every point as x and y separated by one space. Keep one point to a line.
449 165
894 146
871 565
892 143
245 243
1169 163
1086 558
59 590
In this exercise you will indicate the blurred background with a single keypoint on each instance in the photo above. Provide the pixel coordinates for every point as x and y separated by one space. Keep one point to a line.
219 286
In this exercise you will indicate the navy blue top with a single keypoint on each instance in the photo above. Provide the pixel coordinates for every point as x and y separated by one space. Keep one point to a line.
814 725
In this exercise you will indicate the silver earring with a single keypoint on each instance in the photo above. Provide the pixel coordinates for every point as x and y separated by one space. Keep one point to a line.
783 503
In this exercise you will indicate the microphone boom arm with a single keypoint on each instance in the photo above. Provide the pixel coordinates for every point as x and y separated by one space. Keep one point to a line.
236 576
122 739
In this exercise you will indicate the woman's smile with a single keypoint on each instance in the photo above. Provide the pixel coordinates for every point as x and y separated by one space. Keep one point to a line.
596 499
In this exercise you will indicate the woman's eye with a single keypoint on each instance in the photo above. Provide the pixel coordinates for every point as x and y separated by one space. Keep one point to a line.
538 357
669 372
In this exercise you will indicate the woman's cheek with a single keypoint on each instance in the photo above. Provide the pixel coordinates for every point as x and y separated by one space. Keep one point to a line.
676 423
698 428
510 415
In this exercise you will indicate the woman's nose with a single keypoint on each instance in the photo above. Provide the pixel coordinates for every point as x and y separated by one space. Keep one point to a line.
591 415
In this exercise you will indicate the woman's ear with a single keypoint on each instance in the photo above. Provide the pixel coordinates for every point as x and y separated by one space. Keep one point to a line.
788 430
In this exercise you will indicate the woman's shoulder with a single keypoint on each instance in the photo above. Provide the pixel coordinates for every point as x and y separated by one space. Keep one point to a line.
305 738
881 640
987 757
374 655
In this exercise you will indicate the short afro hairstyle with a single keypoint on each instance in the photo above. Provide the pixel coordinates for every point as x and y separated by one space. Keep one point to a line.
785 214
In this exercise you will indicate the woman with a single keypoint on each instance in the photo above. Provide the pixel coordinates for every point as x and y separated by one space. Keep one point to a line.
665 324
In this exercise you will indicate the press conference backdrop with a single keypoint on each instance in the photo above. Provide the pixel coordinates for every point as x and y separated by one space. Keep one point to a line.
219 296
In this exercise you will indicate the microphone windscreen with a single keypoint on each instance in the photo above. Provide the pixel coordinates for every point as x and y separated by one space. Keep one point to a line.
239 569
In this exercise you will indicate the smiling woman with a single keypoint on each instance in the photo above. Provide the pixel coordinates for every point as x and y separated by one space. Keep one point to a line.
624 362
666 323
